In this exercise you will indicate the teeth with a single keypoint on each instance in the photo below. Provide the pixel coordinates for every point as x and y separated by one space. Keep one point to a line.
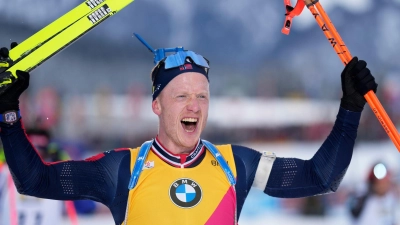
193 120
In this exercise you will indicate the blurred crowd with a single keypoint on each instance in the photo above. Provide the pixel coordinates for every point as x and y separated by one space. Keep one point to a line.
376 197
83 125
90 121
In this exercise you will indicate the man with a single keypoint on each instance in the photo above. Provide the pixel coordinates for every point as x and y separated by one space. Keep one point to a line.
379 203
178 178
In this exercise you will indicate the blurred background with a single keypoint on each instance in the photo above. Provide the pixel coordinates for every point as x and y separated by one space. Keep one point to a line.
270 91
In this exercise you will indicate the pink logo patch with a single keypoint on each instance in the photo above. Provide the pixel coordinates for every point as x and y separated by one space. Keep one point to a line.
187 66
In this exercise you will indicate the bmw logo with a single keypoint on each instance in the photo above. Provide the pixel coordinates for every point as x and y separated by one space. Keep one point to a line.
185 193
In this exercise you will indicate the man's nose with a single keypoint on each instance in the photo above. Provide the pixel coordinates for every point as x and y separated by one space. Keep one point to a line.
193 104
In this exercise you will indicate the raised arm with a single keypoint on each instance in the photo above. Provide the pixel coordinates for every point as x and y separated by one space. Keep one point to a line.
94 178
292 177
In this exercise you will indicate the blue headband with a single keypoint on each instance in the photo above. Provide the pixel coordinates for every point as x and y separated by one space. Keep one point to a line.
161 76
168 67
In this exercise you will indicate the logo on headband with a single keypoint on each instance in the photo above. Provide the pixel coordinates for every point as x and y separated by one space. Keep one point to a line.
186 66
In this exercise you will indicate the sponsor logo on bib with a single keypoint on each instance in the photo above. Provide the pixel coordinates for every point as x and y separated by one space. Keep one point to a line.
185 193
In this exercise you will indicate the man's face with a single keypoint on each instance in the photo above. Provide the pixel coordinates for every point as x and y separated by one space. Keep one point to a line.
382 186
182 107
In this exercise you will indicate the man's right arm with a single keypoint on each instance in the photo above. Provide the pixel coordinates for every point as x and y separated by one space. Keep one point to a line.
94 178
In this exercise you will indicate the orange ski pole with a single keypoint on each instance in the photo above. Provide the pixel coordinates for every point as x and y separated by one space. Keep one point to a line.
371 98
344 54
348 56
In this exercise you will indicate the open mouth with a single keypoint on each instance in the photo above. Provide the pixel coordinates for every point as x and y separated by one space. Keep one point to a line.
189 124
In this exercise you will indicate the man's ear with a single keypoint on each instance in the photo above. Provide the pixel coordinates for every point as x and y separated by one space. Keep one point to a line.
155 105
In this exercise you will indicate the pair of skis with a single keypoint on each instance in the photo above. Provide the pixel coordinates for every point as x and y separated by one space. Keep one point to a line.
53 38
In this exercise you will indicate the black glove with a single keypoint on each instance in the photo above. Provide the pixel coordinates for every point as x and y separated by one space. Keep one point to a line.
9 99
357 80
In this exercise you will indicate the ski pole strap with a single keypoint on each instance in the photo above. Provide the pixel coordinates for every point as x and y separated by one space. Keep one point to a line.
144 151
137 169
220 159
291 12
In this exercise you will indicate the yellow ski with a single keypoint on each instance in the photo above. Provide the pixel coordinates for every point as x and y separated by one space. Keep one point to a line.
37 49
57 26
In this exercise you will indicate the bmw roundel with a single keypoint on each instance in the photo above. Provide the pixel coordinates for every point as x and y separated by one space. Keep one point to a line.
185 193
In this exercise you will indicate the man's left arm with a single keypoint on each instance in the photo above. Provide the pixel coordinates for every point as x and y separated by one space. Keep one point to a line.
292 177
